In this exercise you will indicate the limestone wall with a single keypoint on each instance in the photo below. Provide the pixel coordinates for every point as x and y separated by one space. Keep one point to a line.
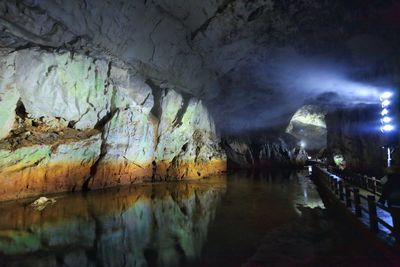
71 122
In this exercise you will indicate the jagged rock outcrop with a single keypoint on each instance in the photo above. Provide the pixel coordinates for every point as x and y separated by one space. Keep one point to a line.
187 144
263 152
168 222
353 135
80 123
308 125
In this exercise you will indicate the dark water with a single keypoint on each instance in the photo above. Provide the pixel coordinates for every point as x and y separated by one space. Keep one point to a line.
269 219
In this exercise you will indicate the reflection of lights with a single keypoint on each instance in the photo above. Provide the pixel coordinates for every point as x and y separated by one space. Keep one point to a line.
385 103
387 128
302 144
384 112
386 95
386 119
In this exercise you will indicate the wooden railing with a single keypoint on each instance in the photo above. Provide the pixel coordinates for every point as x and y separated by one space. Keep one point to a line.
347 191
365 182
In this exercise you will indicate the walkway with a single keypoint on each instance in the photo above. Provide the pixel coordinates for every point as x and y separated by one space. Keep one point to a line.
384 218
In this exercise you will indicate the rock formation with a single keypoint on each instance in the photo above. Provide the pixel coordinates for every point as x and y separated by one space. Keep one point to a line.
71 122
353 137
308 125
260 152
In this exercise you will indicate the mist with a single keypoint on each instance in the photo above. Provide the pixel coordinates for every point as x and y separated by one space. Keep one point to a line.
267 91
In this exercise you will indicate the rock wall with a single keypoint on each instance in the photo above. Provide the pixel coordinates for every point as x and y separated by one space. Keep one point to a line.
245 152
70 122
353 133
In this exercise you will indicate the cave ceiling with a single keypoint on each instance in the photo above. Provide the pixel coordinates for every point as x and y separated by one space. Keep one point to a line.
254 63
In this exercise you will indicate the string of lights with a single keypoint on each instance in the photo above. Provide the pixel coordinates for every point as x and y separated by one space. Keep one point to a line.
387 120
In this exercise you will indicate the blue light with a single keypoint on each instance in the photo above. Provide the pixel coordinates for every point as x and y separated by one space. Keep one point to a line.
386 119
387 128
384 112
386 95
385 103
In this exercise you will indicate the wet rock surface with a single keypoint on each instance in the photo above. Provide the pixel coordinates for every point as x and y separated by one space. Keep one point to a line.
80 123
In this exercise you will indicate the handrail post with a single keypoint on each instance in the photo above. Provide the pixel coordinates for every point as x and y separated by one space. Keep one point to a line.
348 196
374 185
336 187
332 183
395 212
357 202
373 216
341 194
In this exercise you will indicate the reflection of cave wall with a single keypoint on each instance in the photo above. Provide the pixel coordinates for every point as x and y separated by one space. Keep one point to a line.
126 227
354 133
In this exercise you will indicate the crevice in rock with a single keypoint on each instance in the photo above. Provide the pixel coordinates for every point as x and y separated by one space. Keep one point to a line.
103 148
20 110
156 111
103 121
256 13
204 26
151 38
181 112
154 170
132 162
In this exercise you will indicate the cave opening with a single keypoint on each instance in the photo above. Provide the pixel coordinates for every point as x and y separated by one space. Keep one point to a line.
199 133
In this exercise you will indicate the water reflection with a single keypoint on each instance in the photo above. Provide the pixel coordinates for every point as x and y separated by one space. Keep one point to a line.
151 225
213 222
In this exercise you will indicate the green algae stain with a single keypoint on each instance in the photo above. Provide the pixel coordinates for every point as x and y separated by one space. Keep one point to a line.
23 157
17 242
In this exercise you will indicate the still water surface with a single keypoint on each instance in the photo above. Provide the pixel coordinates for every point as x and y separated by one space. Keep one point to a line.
269 219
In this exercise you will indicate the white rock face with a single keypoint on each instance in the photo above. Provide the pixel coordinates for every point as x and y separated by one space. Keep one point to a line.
67 99
187 139
136 32
127 151
8 93
63 85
